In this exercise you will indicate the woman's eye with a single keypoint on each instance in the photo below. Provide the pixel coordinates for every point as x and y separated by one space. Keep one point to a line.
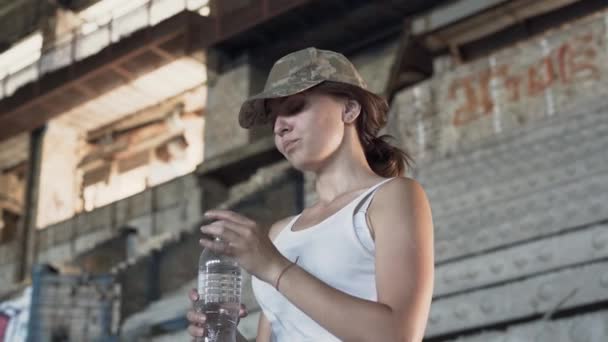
295 108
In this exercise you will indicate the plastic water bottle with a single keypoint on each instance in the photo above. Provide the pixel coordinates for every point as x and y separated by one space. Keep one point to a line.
219 290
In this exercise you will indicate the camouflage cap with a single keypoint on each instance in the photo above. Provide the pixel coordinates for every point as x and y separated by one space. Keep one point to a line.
295 73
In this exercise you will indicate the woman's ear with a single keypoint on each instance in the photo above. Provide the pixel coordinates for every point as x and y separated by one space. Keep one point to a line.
352 109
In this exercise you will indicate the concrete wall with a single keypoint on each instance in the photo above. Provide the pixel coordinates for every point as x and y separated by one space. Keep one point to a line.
168 208
14 150
226 93
8 265
375 63
546 76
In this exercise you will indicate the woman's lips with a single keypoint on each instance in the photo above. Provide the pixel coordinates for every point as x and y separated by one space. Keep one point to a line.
289 144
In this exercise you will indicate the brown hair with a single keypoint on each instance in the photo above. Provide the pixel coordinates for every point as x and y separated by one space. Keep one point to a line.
384 158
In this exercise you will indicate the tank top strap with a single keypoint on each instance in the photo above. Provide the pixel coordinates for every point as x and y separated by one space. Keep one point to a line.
287 228
368 196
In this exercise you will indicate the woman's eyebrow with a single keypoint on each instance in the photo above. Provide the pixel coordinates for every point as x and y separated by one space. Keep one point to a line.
280 100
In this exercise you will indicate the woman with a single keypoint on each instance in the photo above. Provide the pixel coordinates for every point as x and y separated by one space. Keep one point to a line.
358 264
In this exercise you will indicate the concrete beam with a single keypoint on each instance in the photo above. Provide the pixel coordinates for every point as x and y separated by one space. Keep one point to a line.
537 296
468 20
450 14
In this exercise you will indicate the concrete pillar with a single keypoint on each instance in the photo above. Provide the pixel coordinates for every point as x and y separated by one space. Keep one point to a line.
27 232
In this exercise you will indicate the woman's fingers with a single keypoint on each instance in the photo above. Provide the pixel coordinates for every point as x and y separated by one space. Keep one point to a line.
195 331
193 295
229 216
243 311
217 246
197 323
221 230
196 318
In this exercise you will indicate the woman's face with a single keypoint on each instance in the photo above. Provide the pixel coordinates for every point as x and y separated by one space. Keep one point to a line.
308 127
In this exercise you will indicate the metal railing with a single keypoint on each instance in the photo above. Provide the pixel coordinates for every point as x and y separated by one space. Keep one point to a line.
83 41
73 307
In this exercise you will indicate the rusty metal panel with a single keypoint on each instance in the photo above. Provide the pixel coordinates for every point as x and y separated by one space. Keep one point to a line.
537 295
524 260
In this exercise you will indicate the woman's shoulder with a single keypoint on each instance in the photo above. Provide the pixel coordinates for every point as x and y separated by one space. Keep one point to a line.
397 189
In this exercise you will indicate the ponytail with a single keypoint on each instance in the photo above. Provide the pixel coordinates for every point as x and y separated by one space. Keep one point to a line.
386 159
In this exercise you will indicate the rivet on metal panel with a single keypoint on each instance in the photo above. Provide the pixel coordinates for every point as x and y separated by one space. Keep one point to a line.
604 280
579 331
545 255
546 291
520 261
442 247
496 268
472 273
596 209
435 318
503 233
462 312
600 240
487 306
461 244
482 237
448 277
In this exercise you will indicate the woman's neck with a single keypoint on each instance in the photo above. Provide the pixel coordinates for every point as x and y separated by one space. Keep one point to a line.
347 171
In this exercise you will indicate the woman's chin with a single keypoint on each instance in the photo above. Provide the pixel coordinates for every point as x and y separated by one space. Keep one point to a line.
302 165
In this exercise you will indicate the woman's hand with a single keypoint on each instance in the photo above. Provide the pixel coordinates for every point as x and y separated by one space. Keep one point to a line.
243 239
196 328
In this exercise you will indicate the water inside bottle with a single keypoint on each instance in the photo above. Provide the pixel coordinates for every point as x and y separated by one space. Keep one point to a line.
219 287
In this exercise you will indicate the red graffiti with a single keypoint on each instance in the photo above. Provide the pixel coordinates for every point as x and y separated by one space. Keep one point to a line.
540 76
573 61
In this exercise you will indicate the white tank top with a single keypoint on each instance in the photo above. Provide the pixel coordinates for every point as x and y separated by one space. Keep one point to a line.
339 251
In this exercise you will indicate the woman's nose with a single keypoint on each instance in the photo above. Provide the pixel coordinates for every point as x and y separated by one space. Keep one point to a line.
281 127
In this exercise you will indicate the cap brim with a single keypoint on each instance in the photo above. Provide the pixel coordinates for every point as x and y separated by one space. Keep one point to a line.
253 111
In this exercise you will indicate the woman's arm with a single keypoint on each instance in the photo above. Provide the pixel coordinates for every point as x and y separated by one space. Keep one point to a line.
263 323
263 329
401 218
